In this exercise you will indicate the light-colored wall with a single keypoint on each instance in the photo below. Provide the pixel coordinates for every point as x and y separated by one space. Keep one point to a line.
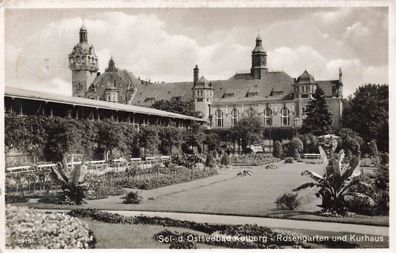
259 108
83 77
295 107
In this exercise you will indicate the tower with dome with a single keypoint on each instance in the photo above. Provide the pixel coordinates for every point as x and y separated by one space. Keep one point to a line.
83 63
275 96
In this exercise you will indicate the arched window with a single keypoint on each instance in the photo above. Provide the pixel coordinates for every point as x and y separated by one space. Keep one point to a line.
234 116
285 119
267 117
219 118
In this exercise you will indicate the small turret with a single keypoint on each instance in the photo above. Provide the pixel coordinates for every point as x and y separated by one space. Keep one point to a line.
196 74
259 60
202 94
340 75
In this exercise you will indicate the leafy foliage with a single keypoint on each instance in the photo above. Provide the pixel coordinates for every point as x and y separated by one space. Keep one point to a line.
176 106
225 159
368 114
133 197
288 201
210 161
72 182
337 181
169 137
247 131
277 149
319 119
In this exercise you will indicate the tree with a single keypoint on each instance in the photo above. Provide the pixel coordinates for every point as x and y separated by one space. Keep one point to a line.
176 106
110 136
193 138
149 140
64 136
319 119
212 140
368 114
169 136
248 130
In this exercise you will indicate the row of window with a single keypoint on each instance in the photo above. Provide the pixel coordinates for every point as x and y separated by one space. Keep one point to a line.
202 92
83 60
267 115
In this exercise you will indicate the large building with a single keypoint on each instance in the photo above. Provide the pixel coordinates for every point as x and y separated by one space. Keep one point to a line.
279 99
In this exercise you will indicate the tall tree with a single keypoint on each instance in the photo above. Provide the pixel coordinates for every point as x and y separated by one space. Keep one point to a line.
368 114
318 120
248 130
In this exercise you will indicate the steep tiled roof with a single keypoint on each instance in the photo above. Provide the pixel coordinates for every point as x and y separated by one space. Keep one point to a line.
166 91
273 85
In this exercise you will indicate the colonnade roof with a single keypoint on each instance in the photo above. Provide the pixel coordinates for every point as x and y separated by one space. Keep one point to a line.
85 102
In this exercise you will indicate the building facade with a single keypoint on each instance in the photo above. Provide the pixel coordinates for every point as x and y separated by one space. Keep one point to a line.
279 99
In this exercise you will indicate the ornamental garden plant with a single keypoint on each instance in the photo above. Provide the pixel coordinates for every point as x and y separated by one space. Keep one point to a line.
35 229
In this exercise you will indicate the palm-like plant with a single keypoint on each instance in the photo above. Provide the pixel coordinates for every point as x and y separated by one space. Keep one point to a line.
72 182
337 181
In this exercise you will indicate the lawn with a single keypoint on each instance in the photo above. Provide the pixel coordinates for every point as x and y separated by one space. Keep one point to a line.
115 236
227 194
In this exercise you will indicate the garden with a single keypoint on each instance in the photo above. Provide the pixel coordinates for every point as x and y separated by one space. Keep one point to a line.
346 182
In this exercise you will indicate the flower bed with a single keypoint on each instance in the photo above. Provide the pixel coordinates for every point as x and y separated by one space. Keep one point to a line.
252 160
217 230
34 229
180 174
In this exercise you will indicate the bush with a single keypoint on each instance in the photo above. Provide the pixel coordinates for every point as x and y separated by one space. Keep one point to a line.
133 197
277 152
296 143
384 159
288 201
296 155
210 162
225 159
34 229
289 160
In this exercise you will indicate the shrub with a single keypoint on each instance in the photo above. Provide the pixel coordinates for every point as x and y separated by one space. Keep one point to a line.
354 146
133 197
296 155
373 150
15 198
384 158
225 159
296 143
289 160
288 201
34 229
210 162
277 152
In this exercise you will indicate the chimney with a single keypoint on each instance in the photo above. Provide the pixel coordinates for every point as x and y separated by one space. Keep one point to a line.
196 74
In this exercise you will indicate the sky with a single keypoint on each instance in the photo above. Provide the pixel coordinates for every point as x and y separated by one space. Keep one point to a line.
165 44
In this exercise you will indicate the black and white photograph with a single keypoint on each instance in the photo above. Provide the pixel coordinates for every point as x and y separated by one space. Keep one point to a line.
209 125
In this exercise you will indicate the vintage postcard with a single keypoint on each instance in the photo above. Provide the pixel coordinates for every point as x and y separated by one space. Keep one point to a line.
196 125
